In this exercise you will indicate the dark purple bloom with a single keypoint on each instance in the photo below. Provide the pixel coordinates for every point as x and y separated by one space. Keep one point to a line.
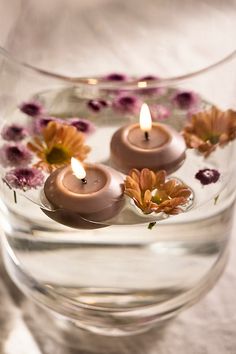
41 122
160 112
82 125
15 155
127 103
207 176
24 178
97 105
185 99
116 77
32 108
14 132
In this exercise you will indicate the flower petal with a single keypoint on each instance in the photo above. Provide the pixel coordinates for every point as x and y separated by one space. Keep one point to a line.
147 179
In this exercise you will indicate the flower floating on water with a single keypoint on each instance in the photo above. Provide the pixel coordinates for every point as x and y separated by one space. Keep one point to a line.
209 129
25 178
14 132
40 123
127 103
185 99
15 155
32 108
116 77
160 112
207 176
82 125
60 143
97 105
151 192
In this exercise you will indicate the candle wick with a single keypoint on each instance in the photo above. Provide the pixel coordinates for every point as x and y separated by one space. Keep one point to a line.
84 180
146 134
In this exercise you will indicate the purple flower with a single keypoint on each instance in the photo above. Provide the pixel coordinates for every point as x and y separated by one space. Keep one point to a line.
32 108
127 103
160 112
14 132
207 176
41 122
25 178
15 155
82 125
185 99
97 105
116 77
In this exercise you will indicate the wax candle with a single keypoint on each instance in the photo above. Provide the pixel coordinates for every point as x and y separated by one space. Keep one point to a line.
80 194
152 145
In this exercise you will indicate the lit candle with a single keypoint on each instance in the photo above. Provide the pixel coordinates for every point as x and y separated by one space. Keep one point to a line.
145 120
147 144
92 192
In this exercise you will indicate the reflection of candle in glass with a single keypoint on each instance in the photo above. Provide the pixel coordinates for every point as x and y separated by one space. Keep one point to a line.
152 145
93 192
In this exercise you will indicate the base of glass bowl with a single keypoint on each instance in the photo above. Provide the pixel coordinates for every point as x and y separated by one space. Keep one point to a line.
108 321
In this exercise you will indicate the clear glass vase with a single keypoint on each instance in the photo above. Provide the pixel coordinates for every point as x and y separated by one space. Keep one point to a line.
92 69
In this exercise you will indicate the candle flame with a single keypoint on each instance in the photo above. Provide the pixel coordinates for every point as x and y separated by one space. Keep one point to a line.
145 119
78 168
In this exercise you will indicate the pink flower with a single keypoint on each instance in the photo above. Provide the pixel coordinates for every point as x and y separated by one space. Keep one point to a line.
116 77
41 122
127 103
32 108
82 125
160 112
185 100
15 155
25 178
97 105
14 132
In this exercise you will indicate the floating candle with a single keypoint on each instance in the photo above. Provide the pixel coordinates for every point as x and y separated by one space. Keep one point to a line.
83 194
152 145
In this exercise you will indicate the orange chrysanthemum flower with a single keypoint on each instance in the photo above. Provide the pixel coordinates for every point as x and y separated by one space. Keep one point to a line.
152 193
210 129
60 142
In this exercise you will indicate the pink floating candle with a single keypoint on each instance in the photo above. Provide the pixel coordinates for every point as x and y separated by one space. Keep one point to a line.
152 145
82 194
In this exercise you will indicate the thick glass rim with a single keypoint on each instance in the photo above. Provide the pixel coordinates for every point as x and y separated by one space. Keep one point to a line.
98 82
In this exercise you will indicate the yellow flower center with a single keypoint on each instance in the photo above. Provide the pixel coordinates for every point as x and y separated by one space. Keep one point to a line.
213 139
159 196
57 155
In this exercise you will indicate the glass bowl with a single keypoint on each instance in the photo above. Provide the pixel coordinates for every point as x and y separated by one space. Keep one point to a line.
72 74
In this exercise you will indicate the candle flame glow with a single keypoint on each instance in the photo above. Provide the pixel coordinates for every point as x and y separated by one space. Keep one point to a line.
145 119
78 168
